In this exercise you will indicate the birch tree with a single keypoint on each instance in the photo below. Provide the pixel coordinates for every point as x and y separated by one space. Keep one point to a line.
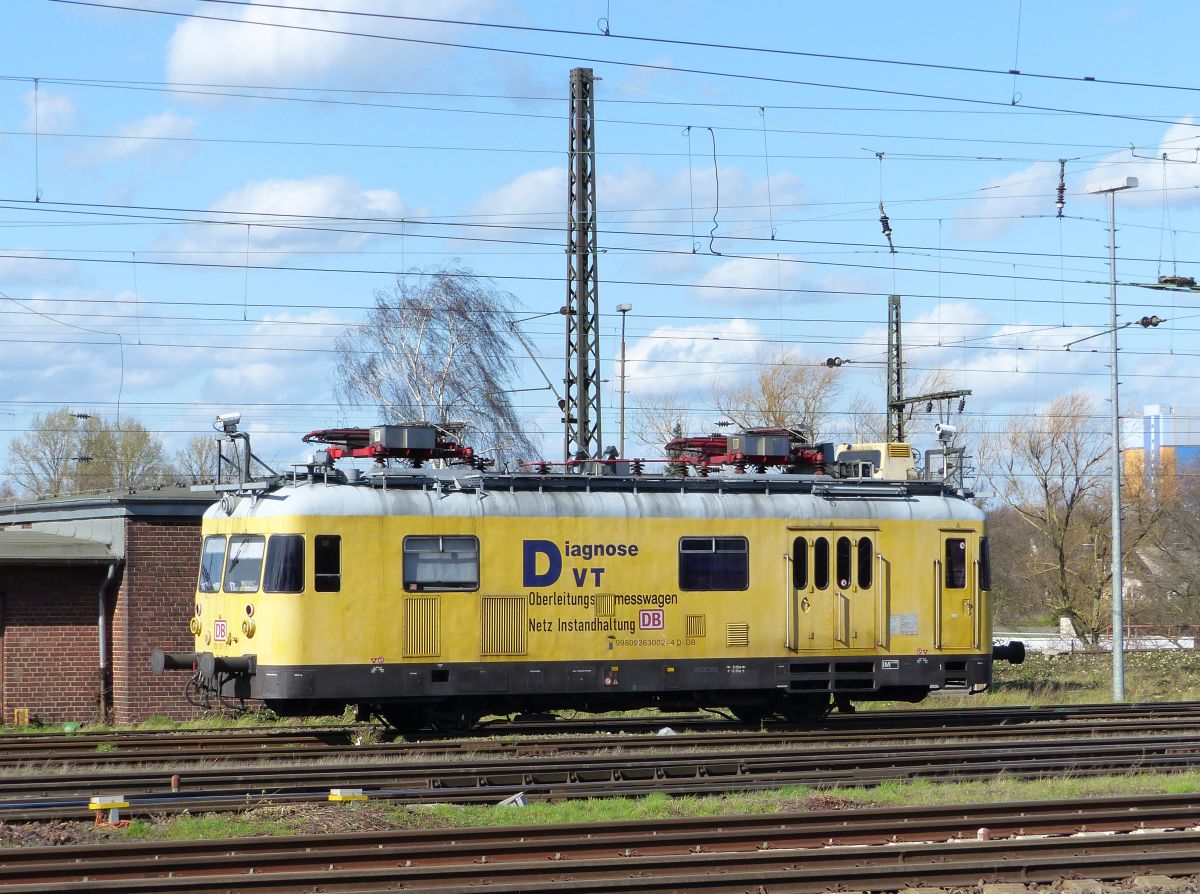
438 349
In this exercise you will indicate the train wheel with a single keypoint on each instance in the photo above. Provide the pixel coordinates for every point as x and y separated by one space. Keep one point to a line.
453 720
805 709
405 722
751 715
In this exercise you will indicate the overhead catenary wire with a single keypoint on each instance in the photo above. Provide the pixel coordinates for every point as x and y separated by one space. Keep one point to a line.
576 59
276 221
1014 72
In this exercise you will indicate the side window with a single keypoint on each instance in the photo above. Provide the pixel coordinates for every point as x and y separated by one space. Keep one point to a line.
821 563
285 564
441 563
800 563
843 562
714 563
985 565
866 562
956 563
212 557
243 563
327 563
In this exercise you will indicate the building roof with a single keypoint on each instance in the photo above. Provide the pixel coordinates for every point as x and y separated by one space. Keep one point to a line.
150 501
39 548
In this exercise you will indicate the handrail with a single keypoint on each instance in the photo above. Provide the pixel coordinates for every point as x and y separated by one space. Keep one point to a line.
937 603
789 641
881 616
977 598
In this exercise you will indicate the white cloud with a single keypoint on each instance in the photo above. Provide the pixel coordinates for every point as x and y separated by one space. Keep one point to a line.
147 135
690 357
203 51
293 202
48 111
1031 190
646 201
748 281
532 197
31 265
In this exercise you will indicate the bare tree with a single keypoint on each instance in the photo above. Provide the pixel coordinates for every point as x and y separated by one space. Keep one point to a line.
196 461
68 452
785 390
438 349
661 417
44 458
137 456
1167 564
1051 469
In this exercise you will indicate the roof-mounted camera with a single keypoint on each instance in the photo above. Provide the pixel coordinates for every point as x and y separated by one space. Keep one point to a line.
227 422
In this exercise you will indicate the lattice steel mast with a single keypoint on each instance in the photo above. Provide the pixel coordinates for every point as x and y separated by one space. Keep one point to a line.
581 413
895 373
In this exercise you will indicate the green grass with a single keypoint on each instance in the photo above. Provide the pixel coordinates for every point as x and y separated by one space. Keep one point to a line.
381 816
207 827
1087 677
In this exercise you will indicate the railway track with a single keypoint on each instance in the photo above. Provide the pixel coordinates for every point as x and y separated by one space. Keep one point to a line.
334 742
788 852
490 778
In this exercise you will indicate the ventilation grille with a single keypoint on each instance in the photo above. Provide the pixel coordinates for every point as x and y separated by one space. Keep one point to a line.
422 626
899 451
696 626
604 605
737 634
502 625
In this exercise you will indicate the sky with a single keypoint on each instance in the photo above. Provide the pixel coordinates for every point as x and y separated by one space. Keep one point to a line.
194 207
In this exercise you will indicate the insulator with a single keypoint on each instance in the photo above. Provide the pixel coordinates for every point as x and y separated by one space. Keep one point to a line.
1062 185
887 228
962 404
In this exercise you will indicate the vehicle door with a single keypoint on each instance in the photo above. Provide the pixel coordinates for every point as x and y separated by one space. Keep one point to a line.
835 590
956 590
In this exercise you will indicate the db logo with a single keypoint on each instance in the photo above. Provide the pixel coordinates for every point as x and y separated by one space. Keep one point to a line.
650 619
220 630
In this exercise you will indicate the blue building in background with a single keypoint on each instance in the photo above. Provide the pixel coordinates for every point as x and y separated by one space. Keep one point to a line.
1170 445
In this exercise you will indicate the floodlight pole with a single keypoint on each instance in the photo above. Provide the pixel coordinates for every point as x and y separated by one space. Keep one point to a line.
624 309
1118 586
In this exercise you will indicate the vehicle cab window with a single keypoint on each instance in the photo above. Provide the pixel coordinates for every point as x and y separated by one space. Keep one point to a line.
285 564
212 557
243 563
327 563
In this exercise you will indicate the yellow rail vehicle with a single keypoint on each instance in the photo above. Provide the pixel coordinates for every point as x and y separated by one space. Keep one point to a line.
442 595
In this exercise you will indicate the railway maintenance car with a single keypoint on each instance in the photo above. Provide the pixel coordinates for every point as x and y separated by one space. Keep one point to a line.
438 595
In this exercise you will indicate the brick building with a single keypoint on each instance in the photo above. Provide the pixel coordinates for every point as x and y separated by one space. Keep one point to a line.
88 586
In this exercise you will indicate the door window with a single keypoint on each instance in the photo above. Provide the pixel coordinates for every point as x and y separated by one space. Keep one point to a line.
800 563
866 562
821 563
956 563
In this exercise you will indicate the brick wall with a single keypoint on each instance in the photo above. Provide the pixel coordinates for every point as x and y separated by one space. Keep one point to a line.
153 608
51 653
